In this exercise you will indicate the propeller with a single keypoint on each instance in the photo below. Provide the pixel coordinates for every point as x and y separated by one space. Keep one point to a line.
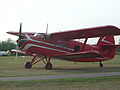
20 37
20 31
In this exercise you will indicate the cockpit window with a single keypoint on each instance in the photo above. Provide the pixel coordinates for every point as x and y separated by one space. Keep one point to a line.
42 36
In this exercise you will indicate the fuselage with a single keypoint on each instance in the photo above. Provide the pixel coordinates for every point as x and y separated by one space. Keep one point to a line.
51 48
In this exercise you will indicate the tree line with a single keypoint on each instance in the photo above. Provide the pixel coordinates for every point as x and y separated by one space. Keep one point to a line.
9 44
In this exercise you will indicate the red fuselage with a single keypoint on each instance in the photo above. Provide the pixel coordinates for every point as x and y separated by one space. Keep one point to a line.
53 48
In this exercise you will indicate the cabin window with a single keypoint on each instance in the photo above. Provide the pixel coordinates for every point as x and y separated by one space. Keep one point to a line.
76 48
42 36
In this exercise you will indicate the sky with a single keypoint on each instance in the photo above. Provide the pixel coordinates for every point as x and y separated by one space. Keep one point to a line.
61 15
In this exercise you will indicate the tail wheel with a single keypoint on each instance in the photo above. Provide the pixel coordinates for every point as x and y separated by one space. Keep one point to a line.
48 66
101 65
28 65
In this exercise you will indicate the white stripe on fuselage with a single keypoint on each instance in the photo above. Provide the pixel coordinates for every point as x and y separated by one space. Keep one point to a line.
28 37
33 45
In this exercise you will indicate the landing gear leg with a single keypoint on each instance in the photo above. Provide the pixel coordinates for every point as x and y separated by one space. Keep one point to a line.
48 66
28 65
101 65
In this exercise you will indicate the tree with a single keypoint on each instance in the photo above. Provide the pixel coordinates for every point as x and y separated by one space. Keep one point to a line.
7 45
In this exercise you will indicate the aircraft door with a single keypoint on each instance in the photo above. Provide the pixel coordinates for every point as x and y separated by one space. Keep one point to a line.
76 48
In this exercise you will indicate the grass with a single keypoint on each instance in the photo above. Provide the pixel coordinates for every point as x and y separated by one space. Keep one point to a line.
11 67
117 53
99 83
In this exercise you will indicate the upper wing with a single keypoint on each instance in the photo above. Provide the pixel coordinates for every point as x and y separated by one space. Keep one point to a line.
80 55
85 33
17 33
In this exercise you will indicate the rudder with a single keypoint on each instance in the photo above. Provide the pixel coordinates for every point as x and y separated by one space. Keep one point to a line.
106 40
106 44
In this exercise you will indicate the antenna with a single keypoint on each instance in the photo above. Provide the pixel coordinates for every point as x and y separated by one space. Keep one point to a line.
59 30
47 29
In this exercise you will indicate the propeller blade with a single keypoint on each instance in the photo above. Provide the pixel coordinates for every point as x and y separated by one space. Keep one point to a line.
20 31
16 55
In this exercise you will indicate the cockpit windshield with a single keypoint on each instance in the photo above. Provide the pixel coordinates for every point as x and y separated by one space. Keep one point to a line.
42 36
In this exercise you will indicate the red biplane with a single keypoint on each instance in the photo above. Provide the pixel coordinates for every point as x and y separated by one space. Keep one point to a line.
62 45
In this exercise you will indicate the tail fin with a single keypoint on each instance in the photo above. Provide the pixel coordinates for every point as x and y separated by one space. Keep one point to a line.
107 46
107 40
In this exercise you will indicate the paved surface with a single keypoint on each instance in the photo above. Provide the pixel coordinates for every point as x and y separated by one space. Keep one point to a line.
59 76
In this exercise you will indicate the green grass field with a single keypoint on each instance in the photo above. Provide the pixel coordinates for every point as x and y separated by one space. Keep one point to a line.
101 83
12 68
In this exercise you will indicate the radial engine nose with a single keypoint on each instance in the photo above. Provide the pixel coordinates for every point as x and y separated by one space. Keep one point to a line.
21 42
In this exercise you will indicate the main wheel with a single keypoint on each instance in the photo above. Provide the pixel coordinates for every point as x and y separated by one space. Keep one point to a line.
48 66
28 65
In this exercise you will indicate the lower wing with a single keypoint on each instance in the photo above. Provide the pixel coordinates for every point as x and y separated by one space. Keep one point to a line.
79 55
116 46
22 52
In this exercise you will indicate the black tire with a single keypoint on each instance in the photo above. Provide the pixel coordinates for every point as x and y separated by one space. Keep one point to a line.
28 65
48 66
101 65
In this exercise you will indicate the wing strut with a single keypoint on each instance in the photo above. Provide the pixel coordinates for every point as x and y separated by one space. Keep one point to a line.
84 44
